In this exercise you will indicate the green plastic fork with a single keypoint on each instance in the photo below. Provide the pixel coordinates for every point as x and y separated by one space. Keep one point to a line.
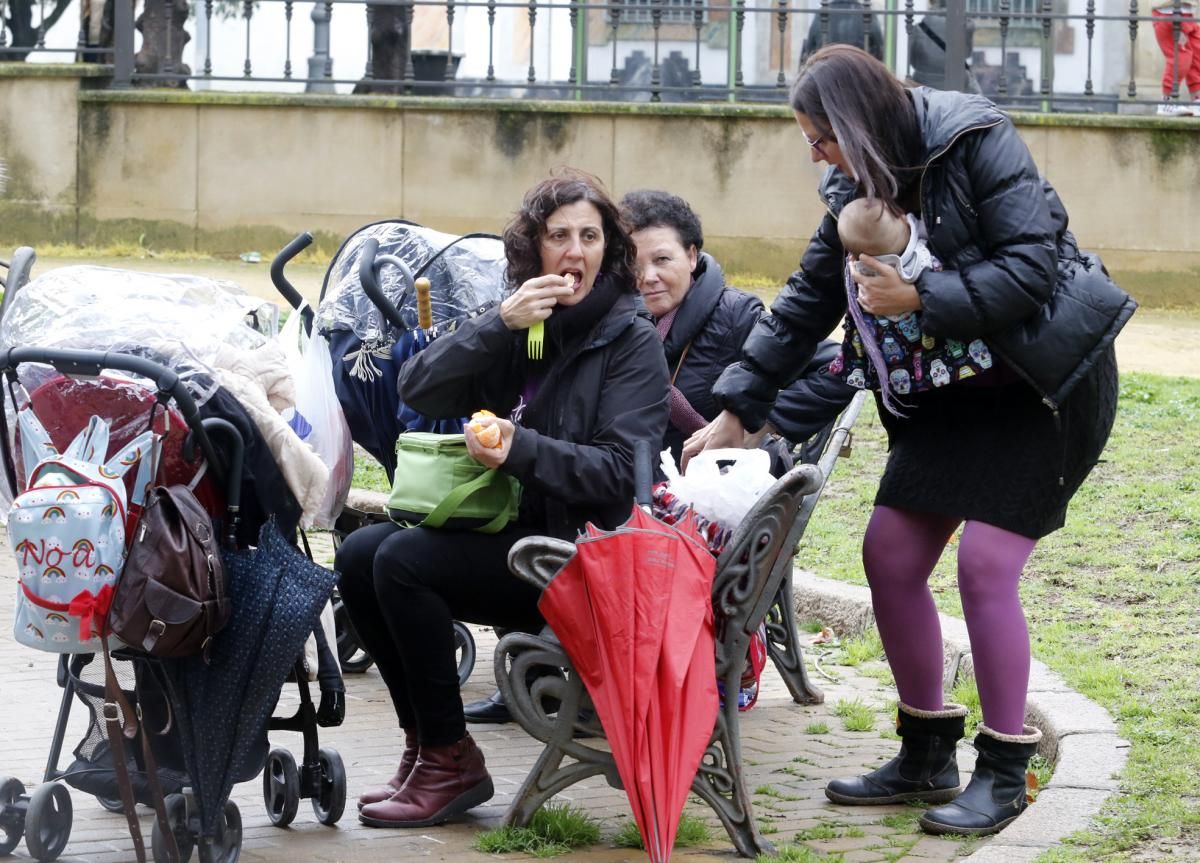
537 333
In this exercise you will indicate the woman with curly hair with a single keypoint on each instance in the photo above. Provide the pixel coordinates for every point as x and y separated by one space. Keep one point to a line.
567 424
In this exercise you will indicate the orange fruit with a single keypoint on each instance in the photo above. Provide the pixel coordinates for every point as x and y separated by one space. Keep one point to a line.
489 436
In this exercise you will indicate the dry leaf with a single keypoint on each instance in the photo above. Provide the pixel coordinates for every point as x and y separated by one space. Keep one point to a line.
826 636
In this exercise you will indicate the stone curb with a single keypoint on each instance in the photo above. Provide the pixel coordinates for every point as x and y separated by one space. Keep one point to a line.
1078 735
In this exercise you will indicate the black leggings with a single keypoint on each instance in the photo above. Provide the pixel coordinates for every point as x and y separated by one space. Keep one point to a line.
404 587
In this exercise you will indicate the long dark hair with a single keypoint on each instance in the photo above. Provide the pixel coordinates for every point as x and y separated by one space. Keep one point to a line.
523 235
847 92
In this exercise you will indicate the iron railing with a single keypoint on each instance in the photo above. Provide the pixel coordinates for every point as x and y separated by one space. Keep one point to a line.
1048 55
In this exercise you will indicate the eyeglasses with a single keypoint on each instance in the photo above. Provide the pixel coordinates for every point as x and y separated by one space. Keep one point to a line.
817 144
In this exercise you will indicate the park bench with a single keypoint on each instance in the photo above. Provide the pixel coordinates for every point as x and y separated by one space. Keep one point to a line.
752 585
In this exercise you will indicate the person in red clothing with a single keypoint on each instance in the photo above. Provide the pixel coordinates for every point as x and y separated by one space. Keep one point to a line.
1178 35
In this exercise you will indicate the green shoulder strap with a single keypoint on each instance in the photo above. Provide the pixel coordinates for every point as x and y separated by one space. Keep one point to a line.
455 499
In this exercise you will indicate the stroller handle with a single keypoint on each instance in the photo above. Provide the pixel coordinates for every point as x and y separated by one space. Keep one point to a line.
18 274
70 361
298 244
368 274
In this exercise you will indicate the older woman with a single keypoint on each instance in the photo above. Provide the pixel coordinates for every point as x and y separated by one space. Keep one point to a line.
703 324
572 420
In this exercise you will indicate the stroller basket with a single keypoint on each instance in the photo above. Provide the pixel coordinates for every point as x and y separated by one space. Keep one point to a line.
93 770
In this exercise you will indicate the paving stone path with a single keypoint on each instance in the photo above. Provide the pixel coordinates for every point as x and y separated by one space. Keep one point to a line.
790 753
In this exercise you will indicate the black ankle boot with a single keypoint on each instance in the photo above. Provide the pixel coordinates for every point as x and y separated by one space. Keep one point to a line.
996 793
924 770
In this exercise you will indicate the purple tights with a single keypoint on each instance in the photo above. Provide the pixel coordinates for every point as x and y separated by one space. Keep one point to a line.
900 550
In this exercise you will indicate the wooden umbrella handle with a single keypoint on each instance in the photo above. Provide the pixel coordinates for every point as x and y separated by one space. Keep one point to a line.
424 305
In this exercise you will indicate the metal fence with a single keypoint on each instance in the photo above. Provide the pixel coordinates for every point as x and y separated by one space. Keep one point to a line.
1047 55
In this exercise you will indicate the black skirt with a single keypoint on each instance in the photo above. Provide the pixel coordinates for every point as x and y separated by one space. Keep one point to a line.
997 454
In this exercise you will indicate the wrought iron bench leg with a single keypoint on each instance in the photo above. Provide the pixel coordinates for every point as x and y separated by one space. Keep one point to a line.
721 783
516 654
783 646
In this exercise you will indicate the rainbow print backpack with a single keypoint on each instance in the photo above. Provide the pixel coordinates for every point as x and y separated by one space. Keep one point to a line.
67 530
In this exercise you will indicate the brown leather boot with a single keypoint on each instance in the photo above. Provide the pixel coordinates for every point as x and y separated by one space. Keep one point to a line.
407 762
447 781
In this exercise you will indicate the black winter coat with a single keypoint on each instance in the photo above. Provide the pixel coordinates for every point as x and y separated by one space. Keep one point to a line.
1012 275
573 452
715 320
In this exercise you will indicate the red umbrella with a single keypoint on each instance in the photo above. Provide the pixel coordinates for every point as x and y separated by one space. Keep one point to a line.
633 609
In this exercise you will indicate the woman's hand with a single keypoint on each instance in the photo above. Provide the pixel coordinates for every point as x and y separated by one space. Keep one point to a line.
725 431
490 456
533 301
885 293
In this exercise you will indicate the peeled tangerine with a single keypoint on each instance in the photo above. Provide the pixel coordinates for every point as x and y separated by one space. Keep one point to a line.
489 435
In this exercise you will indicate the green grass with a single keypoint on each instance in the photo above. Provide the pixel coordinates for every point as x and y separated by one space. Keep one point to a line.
855 715
692 831
818 833
368 474
964 693
862 648
1112 601
798 854
816 728
774 793
315 254
554 830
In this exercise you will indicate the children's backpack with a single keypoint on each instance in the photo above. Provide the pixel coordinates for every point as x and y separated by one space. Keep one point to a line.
67 530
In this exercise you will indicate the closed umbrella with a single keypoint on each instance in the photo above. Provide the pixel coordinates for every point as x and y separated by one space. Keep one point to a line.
633 610
223 708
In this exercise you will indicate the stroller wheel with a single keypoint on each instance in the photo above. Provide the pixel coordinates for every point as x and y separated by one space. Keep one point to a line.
11 790
330 800
112 804
464 647
281 787
176 807
48 821
353 658
227 847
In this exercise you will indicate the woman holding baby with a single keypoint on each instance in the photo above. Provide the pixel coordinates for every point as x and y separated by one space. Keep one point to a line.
988 340
568 421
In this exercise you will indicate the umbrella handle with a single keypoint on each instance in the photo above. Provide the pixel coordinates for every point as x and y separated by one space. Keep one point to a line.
643 473
368 274
424 304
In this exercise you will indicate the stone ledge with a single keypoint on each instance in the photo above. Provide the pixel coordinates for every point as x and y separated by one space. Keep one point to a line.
366 501
1078 735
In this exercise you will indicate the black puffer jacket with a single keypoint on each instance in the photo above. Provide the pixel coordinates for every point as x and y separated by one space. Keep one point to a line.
1012 272
573 454
715 320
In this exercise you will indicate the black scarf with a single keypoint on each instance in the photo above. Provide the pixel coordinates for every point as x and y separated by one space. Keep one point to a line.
570 324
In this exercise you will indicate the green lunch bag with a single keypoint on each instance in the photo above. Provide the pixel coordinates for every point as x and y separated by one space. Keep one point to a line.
438 484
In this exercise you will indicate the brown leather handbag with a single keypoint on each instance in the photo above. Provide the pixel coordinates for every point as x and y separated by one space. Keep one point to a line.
171 598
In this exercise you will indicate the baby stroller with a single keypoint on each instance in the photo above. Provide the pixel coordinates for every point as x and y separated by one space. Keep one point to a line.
45 817
370 318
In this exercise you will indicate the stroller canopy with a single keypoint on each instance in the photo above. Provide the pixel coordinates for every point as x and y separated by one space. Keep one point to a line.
183 321
464 273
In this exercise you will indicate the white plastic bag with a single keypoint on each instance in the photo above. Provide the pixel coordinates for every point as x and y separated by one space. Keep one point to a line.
317 418
721 495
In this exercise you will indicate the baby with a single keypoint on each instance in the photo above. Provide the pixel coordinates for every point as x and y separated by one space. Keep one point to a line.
890 353
868 228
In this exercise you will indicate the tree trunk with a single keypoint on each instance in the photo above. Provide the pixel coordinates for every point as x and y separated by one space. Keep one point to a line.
20 25
163 39
389 31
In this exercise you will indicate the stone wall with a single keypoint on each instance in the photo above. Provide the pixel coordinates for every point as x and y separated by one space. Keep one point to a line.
224 173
